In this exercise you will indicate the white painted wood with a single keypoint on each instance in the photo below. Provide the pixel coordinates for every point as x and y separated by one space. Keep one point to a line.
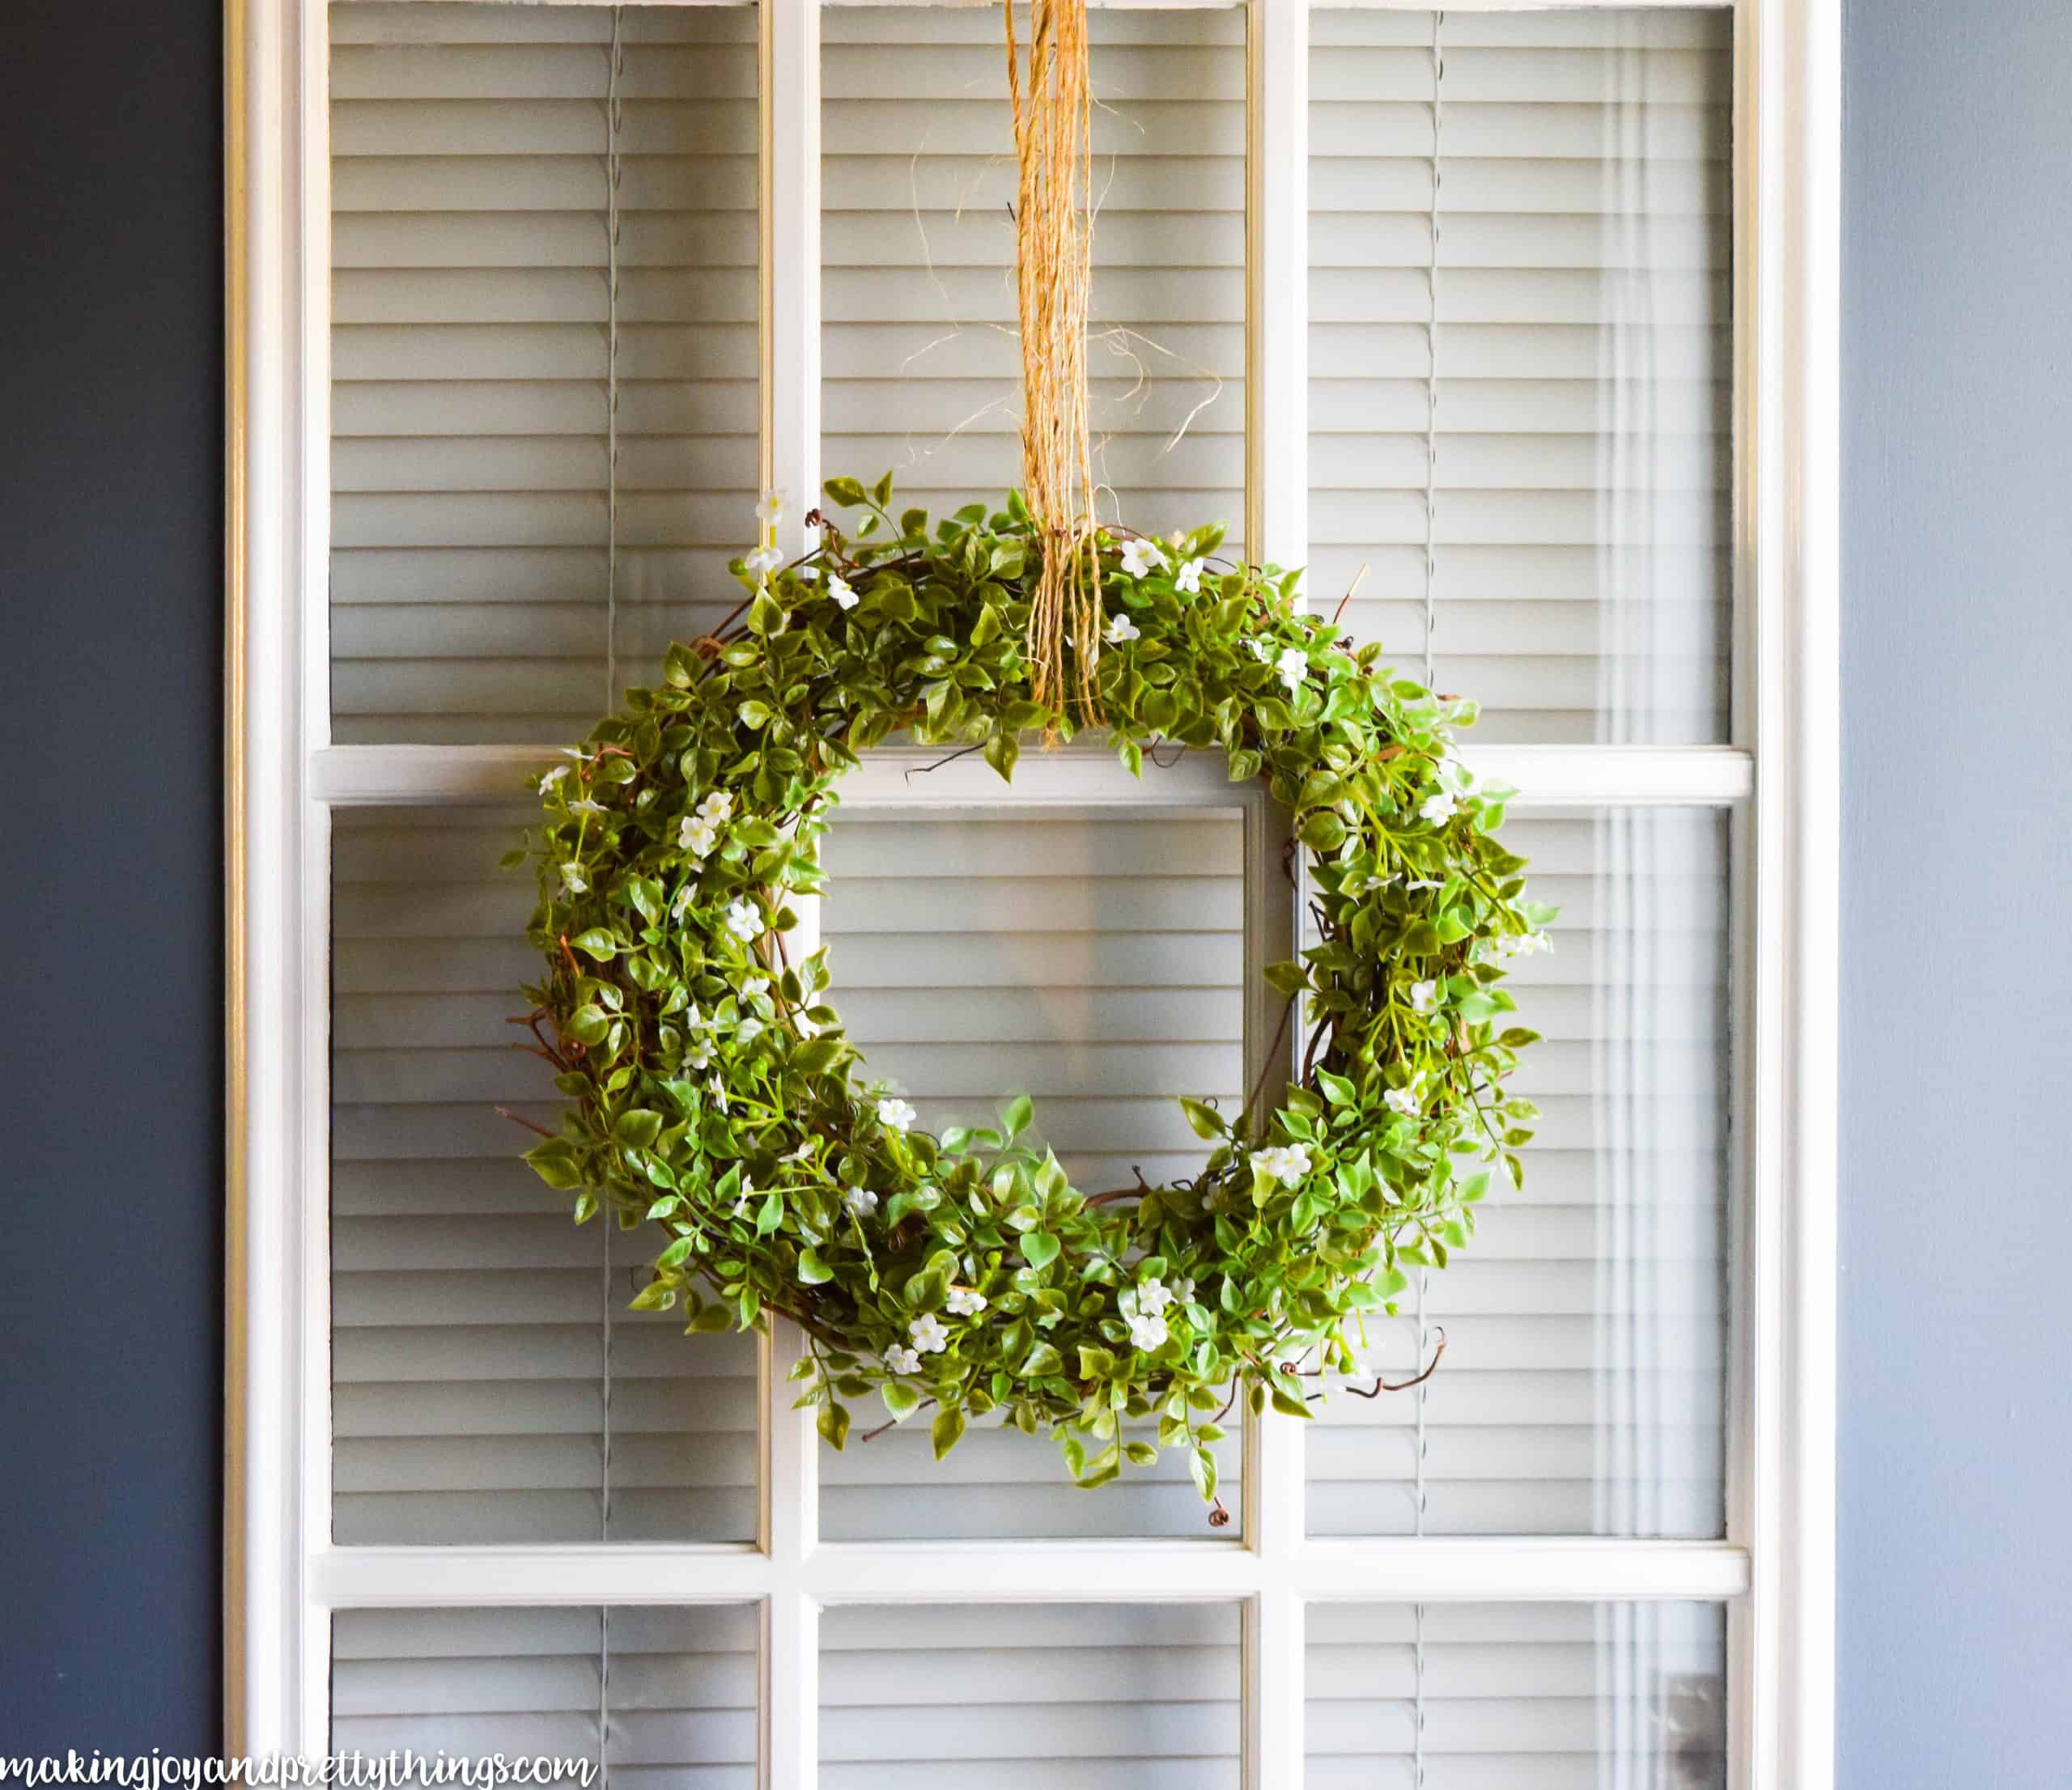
1544 777
1791 129
1277 384
1502 1569
791 270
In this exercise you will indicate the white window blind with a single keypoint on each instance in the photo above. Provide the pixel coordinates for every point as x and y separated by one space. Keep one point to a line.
489 1383
658 1698
1583 1386
1519 310
1517 1697
1030 1697
1097 965
921 365
485 369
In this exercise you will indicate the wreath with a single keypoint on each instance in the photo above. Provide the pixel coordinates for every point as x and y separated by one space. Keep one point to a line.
710 1081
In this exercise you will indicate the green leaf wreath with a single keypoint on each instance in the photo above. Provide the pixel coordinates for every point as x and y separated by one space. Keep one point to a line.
709 1082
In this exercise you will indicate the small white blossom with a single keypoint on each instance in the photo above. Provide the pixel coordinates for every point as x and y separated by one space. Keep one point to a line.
1139 557
1285 1163
901 1360
837 587
1259 649
1291 668
763 560
552 778
587 806
1148 1331
1188 577
1183 1289
719 1093
681 903
749 1029
1423 996
771 508
1153 1297
1439 809
861 1201
696 835
717 807
747 1188
743 921
799 1155
929 1337
1427 882
965 1302
1120 629
894 1114
1404 1100
755 987
698 1057
573 879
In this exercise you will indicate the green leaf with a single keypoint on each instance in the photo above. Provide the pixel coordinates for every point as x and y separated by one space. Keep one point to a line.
1015 1116
555 1163
899 1398
638 1126
675 1255
847 492
812 1270
770 1214
946 1430
1207 1121
1040 1248
1096 1363
1201 1465
597 943
832 1423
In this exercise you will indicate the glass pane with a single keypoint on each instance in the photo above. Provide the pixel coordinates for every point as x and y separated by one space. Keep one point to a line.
506 321
1030 1697
922 367
488 1382
1096 964
1516 1696
1520 230
657 1699
1582 1388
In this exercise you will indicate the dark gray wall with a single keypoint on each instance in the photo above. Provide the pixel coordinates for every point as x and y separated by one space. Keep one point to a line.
1956 1595
1957 1456
111 991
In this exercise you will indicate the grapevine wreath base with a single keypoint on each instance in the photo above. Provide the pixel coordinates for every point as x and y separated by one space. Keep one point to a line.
710 1081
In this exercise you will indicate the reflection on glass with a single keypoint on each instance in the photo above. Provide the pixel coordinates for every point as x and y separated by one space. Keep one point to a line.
1520 1696
1520 367
1583 1386
1031 1697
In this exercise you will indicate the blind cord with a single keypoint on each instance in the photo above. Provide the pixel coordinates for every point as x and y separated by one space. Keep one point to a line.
614 72
1431 363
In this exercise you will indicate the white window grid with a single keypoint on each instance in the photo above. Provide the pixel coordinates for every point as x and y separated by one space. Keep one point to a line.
1776 779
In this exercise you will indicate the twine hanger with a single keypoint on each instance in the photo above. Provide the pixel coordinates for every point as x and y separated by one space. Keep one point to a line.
1053 239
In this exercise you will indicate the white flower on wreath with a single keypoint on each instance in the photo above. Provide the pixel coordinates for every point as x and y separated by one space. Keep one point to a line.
1183 1289
743 921
573 879
755 988
552 778
748 1189
762 561
1439 808
749 1030
1140 556
1148 1331
929 1337
799 1155
1188 579
901 1361
1153 1296
859 1202
681 904
696 835
965 1302
770 508
1405 1101
1423 996
587 805
1285 1163
895 1113
718 1092
1291 668
1121 629
838 588
717 809
1259 649
699 1056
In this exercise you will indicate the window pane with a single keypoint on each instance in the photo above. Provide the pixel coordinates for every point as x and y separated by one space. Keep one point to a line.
493 576
1582 1388
673 1691
921 364
1516 1696
1547 319
1030 1697
1097 965
488 1382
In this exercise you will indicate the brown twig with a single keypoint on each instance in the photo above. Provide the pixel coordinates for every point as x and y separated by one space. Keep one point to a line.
516 1119
1349 589
1382 1386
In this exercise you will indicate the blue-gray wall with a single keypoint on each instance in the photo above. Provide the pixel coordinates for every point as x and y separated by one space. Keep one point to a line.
1956 1458
111 967
1956 1667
